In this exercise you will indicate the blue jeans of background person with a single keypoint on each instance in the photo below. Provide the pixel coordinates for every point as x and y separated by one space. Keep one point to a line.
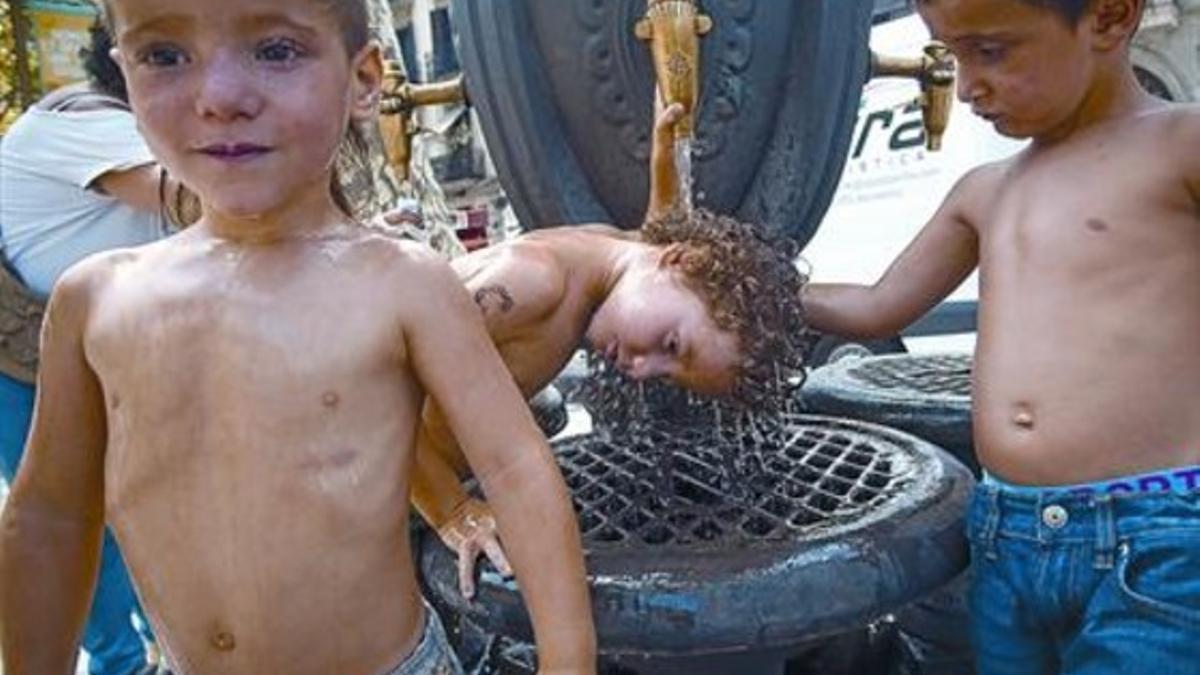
112 642
1085 584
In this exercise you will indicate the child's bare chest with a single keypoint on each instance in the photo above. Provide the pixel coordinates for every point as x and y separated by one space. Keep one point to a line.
272 336
1085 214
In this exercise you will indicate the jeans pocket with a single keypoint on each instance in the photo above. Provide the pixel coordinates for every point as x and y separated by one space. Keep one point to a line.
1158 575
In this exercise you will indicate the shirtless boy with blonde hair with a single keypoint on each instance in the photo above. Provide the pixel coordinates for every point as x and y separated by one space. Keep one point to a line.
1086 533
241 401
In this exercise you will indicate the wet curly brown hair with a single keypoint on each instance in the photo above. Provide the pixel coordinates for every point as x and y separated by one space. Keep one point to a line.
748 278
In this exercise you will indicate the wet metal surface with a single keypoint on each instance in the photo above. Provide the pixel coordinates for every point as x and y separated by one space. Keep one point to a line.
926 375
769 481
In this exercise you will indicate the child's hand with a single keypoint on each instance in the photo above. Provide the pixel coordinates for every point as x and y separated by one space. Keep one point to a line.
469 531
664 127
407 212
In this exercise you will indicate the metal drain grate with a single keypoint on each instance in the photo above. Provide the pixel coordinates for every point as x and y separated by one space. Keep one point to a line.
939 374
666 485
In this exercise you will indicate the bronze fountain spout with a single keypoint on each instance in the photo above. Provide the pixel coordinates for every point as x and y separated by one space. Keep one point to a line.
401 98
934 70
673 29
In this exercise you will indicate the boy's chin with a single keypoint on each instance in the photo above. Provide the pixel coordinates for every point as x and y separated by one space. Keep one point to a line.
248 208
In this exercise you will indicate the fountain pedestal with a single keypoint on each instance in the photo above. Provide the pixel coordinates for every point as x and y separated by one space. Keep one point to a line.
829 526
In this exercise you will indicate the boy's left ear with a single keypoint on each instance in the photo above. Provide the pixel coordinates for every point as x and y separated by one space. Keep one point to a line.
1114 22
367 71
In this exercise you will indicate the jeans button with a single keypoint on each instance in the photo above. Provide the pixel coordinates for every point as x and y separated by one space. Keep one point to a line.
1054 516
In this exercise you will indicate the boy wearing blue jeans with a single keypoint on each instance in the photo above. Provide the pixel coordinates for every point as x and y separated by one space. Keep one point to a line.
1085 534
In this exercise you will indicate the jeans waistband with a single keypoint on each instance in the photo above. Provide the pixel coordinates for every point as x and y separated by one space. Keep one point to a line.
1053 516
1182 480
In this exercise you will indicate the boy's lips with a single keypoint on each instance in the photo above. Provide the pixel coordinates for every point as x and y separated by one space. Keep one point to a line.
234 151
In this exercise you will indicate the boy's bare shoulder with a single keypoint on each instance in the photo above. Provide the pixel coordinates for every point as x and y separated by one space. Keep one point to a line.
1181 138
91 273
971 196
404 264
522 281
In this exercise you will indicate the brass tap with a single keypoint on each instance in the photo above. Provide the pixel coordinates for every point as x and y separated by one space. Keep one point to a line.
401 98
673 29
934 70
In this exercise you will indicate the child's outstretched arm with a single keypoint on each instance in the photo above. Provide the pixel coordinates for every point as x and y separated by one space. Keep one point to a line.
460 369
51 529
941 256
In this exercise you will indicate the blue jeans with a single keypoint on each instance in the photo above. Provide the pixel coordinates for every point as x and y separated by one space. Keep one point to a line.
112 642
1085 584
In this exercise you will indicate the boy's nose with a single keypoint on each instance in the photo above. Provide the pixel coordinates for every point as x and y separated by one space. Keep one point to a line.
969 87
227 91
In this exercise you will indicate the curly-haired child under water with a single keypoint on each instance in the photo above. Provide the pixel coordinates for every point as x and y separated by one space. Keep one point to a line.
241 401
701 300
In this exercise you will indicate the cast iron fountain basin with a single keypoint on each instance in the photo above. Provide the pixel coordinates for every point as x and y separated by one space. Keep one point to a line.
928 395
831 525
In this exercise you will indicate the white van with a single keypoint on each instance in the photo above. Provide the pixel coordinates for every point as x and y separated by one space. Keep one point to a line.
891 185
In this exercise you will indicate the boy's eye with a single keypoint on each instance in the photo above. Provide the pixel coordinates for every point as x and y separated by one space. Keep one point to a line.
279 50
162 56
990 53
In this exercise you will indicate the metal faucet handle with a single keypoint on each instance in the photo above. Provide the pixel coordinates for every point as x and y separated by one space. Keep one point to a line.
934 70
673 29
400 99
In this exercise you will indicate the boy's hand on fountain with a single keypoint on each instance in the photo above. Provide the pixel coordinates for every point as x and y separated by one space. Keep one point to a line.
469 531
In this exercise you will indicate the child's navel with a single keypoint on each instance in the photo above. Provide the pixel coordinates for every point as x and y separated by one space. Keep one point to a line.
1023 417
1097 225
223 641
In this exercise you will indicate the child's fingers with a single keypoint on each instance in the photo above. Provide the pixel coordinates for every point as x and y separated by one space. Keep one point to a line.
495 553
467 553
670 116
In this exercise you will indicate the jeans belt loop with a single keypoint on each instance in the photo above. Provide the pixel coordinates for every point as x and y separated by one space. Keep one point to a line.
1106 532
992 522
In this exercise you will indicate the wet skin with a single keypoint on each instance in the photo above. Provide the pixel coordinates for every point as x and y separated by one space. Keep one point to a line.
241 401
1087 244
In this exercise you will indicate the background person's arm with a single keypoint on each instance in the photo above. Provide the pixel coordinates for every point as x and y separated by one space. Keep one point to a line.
460 369
51 528
145 188
942 255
